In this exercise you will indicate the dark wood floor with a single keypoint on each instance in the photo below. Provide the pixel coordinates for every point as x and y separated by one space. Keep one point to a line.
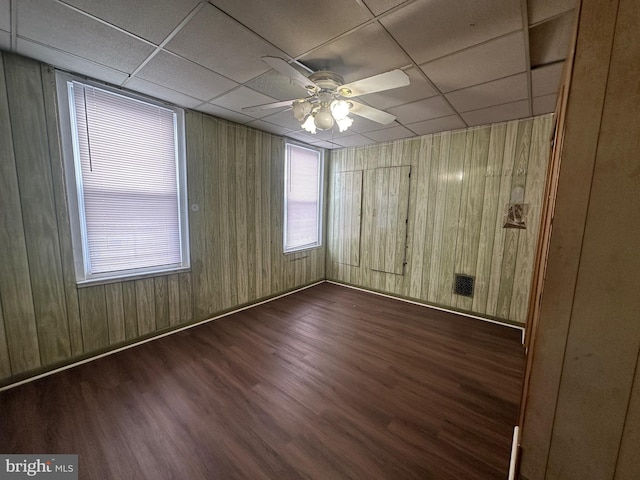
328 383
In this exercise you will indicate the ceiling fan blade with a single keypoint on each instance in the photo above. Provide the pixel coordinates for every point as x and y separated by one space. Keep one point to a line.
288 71
385 81
371 113
267 106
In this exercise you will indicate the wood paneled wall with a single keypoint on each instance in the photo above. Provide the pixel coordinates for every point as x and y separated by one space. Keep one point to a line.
235 188
582 417
460 185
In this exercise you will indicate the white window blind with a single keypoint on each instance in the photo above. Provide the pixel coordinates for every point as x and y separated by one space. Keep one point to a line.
126 162
303 198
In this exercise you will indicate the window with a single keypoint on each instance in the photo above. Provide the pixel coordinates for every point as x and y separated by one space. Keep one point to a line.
125 169
302 198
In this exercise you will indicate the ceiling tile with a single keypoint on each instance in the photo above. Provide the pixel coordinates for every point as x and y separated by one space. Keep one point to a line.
544 104
283 119
269 127
388 134
505 90
325 144
380 6
5 15
293 26
162 93
549 41
494 59
71 63
224 113
152 20
501 113
302 137
206 39
443 124
546 80
540 10
431 29
5 40
353 141
50 23
418 89
346 56
276 85
427 109
186 77
364 125
245 97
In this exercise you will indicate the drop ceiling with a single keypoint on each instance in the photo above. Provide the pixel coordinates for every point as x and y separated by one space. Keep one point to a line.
470 62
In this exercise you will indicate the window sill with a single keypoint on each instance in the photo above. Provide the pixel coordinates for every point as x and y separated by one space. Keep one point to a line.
301 249
92 282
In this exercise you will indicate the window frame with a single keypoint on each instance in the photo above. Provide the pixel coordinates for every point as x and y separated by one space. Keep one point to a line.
320 209
74 186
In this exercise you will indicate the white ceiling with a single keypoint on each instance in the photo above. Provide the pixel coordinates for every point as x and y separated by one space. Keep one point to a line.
470 62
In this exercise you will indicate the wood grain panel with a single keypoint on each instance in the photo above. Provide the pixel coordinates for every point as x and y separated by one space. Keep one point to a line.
186 297
62 210
33 165
145 305
534 187
241 218
418 211
115 312
173 287
93 315
433 250
211 216
469 244
197 214
5 362
490 211
251 206
450 213
504 195
161 296
15 286
348 186
130 309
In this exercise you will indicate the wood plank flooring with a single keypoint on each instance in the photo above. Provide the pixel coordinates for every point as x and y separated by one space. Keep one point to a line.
327 383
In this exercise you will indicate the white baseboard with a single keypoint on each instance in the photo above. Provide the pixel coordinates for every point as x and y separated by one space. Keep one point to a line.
513 463
413 302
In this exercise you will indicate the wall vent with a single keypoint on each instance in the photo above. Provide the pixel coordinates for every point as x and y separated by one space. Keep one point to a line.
464 285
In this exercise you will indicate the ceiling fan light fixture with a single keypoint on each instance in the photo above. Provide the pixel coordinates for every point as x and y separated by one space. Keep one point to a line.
301 108
340 109
323 119
344 123
309 124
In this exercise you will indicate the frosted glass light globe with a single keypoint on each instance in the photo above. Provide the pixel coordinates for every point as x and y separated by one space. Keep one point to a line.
339 109
324 119
309 125
301 109
344 123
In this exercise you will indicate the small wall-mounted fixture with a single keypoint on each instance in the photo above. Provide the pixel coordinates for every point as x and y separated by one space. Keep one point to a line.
515 215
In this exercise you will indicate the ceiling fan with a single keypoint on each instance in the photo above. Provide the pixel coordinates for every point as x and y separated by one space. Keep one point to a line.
329 99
